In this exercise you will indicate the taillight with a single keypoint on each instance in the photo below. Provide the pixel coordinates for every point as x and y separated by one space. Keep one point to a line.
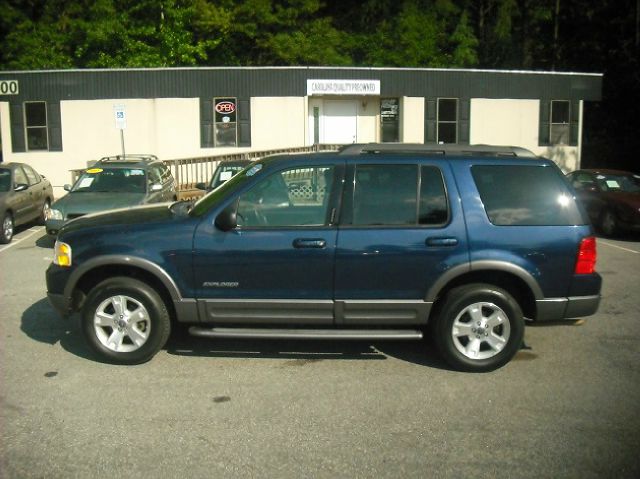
586 261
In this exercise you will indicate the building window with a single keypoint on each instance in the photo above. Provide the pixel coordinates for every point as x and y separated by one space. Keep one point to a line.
225 125
35 121
447 120
559 122
390 120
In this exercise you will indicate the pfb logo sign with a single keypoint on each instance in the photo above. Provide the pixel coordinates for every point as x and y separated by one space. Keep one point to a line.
9 87
225 107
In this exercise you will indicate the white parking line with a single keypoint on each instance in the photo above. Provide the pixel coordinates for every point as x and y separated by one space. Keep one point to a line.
15 242
619 247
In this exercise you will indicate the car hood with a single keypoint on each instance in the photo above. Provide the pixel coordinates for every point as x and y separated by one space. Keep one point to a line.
623 197
85 203
122 217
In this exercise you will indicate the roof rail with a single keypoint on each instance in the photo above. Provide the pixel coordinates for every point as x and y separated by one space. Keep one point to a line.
432 149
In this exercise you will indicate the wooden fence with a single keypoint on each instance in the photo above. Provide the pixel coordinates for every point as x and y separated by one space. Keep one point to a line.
190 171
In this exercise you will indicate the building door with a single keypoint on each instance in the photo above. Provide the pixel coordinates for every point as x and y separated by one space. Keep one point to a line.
340 121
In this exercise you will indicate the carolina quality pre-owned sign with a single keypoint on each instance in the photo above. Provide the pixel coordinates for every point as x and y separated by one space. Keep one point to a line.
9 87
343 87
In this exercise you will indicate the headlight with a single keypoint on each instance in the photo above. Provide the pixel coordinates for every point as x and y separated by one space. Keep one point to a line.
54 214
62 254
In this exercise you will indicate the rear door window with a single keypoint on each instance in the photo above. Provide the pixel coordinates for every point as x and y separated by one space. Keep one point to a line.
525 196
397 195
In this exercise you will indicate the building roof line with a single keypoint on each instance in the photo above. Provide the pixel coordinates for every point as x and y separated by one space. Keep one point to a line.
308 68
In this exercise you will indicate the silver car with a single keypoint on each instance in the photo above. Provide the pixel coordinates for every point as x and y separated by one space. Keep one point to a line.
25 196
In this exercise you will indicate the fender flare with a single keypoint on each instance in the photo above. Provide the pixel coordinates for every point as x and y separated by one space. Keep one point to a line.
484 265
123 260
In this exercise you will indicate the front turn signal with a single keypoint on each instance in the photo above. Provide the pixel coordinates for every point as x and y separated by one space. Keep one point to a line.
62 254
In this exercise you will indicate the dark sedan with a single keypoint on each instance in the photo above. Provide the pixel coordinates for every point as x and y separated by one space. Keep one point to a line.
25 196
611 198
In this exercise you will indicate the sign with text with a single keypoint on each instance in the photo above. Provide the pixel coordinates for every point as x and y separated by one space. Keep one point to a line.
120 116
343 87
9 87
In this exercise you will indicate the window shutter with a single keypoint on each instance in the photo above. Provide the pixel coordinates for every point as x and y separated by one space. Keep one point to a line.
54 126
244 123
543 133
463 121
430 122
574 123
206 123
18 144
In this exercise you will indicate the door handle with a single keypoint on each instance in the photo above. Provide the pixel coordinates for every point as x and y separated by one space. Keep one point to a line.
442 241
309 243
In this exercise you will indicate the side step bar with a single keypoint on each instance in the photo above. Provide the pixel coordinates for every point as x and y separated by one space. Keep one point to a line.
337 334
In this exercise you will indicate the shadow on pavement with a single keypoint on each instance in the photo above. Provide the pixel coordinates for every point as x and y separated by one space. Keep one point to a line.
46 241
42 323
182 344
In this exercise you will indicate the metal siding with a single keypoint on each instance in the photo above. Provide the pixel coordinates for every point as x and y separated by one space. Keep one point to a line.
251 82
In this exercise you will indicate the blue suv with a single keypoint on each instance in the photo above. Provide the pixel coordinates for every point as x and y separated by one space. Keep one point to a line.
370 243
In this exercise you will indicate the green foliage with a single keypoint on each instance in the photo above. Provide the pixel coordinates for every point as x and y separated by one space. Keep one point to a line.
103 34
424 34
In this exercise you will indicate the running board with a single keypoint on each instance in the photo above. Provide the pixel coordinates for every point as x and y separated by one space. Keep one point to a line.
337 334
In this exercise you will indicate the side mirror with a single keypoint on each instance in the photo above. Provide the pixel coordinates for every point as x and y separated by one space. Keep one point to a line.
227 220
201 186
21 187
67 187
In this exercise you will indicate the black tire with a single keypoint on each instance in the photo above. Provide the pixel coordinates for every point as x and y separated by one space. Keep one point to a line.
608 223
478 328
6 229
107 325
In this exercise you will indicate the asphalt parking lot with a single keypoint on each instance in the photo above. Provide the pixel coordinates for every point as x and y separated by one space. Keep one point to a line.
567 406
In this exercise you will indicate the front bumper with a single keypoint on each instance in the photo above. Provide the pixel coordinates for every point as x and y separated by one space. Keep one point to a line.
60 303
56 278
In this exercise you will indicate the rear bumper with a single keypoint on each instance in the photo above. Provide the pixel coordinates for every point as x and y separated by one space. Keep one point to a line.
558 309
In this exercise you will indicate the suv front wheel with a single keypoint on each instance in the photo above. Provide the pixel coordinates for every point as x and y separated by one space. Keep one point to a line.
479 327
125 321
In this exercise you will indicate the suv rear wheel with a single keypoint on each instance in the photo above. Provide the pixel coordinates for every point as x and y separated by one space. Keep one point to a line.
125 321
479 327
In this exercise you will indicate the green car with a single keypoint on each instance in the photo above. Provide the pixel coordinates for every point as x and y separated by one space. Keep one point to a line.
112 183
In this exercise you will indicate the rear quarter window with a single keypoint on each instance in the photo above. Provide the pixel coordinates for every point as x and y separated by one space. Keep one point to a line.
525 196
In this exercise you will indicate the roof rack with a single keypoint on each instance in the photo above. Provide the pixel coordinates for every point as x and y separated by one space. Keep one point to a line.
449 149
132 157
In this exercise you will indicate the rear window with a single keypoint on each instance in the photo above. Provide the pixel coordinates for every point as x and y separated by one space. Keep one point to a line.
525 196
5 179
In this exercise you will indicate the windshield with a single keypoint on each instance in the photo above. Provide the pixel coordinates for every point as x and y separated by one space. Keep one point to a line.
207 201
5 179
224 173
626 183
111 180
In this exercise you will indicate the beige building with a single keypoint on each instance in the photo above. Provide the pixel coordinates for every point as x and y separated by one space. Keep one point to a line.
58 121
